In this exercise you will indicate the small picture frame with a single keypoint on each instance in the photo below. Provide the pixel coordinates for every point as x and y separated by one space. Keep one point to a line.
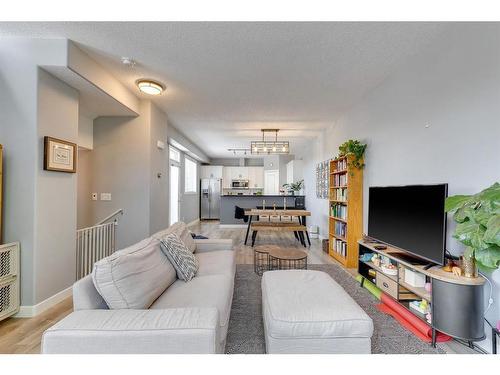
59 155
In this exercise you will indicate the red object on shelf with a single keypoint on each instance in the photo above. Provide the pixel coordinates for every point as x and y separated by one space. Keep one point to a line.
412 323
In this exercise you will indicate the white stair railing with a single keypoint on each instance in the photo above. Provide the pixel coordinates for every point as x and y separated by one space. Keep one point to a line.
94 243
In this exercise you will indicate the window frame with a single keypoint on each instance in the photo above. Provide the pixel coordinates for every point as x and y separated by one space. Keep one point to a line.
172 149
186 160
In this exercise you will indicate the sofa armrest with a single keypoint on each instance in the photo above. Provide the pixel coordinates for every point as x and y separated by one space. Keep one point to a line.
180 330
203 246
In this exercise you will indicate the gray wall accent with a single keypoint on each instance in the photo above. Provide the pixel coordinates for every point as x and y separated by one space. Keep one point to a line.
55 210
125 162
158 201
84 201
120 165
226 162
19 60
235 162
254 162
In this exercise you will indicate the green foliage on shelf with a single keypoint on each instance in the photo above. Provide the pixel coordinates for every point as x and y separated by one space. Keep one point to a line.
355 148
478 224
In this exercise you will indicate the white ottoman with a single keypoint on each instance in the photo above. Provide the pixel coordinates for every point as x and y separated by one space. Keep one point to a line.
308 312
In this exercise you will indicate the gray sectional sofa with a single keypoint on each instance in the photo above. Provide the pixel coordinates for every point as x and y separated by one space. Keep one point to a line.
134 303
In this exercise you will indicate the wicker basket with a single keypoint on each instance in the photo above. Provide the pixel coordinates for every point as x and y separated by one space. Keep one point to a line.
9 280
9 298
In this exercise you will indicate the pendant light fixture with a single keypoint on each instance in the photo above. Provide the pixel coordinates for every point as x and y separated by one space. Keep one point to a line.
268 146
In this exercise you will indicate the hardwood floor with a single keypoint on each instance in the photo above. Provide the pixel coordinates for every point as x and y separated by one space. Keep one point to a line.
23 335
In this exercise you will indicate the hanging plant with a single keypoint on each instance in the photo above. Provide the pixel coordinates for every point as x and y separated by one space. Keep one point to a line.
356 149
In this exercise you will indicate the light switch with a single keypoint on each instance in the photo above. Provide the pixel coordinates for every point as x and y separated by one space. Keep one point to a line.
160 145
94 196
105 196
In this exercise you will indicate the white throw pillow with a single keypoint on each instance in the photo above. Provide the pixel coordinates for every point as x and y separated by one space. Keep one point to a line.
133 278
183 260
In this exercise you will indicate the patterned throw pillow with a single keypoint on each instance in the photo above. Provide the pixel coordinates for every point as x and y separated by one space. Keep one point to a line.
183 260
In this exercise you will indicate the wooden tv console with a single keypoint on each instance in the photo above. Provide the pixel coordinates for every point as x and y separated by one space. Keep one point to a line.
457 305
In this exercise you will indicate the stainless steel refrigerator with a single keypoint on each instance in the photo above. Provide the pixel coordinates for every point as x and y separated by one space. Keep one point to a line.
210 198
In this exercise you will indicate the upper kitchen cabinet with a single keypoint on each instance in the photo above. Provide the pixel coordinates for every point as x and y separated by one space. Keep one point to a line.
211 171
233 173
256 177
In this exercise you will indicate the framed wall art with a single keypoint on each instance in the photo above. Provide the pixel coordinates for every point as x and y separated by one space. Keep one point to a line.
322 179
59 155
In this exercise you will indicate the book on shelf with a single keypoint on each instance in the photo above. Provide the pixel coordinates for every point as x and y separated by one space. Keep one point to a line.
340 229
339 194
340 180
338 211
340 247
341 165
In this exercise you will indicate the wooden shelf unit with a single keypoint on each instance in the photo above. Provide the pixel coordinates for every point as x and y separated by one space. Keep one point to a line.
456 302
353 187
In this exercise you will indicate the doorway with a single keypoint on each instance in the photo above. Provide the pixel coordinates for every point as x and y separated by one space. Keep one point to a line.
271 182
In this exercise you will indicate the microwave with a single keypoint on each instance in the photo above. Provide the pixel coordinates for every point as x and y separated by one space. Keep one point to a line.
239 184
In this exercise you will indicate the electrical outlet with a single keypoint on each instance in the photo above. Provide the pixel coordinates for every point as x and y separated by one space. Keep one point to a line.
94 196
105 196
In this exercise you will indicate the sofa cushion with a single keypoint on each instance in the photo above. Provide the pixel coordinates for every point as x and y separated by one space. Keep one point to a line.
216 263
134 277
182 231
202 291
183 260
310 304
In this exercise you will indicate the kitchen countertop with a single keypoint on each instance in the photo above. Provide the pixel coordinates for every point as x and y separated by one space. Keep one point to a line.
261 196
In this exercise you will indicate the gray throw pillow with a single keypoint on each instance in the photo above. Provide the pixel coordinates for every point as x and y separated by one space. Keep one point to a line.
183 260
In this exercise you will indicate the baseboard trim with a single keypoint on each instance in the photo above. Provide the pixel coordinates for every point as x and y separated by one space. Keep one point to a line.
232 226
31 311
193 222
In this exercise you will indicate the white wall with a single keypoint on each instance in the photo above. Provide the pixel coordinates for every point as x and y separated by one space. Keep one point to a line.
455 89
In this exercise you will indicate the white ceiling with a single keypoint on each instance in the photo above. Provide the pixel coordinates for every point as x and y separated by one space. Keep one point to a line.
226 81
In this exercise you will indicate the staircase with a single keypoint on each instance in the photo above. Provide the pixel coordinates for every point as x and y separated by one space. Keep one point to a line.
95 243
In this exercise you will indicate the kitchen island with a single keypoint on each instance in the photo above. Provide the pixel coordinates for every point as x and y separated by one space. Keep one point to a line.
229 202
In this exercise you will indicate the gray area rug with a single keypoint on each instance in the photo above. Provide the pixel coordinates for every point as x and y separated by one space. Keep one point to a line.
246 330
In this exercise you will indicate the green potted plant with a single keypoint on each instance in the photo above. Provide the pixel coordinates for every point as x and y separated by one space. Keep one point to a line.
356 149
294 187
478 226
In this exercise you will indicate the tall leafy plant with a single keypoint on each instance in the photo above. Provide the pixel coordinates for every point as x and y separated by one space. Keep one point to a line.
355 148
478 224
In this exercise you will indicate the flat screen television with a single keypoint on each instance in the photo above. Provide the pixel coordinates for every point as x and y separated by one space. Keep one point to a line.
411 218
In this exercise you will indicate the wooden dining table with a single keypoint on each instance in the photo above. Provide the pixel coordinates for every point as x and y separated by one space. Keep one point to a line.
301 215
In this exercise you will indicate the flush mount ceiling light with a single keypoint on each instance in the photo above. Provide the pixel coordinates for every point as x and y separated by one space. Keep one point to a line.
270 147
150 87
